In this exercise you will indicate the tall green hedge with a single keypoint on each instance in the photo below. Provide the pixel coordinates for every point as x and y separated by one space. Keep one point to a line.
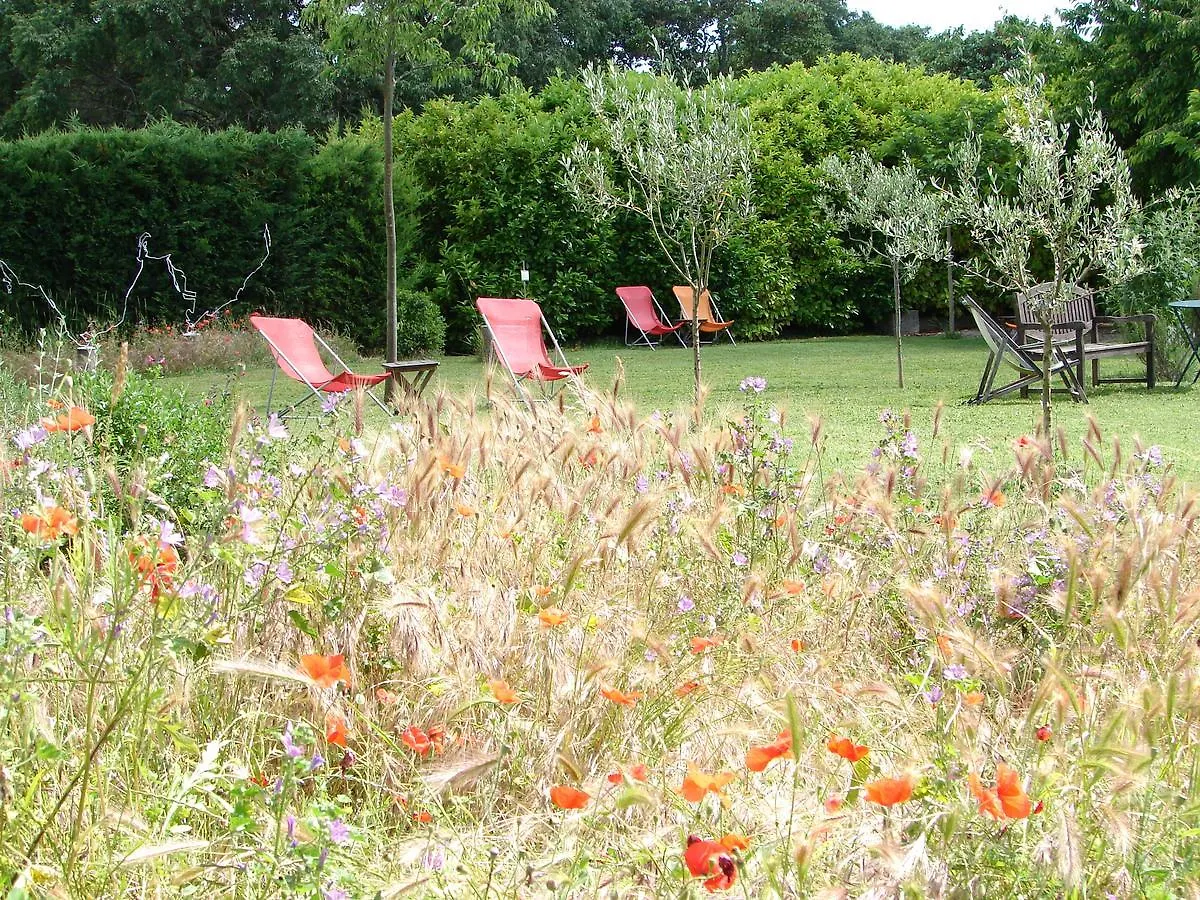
479 194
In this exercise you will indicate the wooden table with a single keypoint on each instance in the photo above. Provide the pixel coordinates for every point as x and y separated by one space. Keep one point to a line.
1192 335
412 374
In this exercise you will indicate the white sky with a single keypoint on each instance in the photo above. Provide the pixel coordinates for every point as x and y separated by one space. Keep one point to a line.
973 15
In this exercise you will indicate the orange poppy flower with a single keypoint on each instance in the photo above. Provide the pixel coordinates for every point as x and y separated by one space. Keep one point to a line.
793 587
619 697
551 616
889 791
780 520
424 817
697 783
735 841
386 697
943 643
74 419
542 590
847 749
453 469
566 797
973 698
50 524
686 688
758 758
326 671
994 498
417 739
502 692
335 729
594 426
989 800
700 644
797 645
712 861
733 490
1013 799
464 510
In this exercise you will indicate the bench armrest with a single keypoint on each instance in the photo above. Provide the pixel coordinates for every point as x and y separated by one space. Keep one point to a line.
1145 318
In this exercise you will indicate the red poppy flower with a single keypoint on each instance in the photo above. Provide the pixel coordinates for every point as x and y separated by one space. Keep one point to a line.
993 498
636 772
712 861
386 697
889 791
619 697
686 688
566 797
847 749
335 729
757 758
989 801
700 644
417 740
424 817
1044 733
698 783
326 671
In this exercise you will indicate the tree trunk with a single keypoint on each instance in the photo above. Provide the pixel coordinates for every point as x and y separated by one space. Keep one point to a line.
389 213
950 279
896 294
697 290
1047 362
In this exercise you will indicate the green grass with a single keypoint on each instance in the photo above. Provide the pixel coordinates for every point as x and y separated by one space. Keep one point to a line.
847 382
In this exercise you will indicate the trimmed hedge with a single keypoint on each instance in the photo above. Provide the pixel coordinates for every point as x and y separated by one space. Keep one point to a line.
478 193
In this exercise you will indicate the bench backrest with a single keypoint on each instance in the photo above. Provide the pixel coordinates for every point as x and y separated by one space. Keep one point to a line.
1079 306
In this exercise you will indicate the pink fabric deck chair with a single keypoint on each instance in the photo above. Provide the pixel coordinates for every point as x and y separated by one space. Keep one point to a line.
644 314
293 343
515 327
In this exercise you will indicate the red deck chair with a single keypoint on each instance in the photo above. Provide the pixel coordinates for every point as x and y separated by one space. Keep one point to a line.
516 327
709 317
293 343
643 313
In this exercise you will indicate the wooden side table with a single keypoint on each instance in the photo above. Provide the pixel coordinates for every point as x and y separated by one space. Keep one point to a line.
412 375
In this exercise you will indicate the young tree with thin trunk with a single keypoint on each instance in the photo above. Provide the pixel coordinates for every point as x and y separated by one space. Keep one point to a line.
445 41
903 218
1072 205
678 157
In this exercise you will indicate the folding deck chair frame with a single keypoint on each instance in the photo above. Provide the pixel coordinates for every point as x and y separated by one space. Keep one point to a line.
635 294
1003 350
543 371
714 323
319 386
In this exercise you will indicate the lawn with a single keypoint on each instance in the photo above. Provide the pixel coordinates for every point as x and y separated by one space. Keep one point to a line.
847 382
493 655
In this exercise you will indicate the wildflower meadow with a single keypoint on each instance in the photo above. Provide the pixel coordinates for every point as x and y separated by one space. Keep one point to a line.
592 651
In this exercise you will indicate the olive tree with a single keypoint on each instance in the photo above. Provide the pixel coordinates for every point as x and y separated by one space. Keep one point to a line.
1068 213
901 217
679 158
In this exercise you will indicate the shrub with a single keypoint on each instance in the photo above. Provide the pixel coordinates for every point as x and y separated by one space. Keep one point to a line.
422 327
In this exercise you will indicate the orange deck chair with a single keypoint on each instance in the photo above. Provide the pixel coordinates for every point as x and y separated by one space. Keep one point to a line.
646 316
710 316
515 327
293 343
